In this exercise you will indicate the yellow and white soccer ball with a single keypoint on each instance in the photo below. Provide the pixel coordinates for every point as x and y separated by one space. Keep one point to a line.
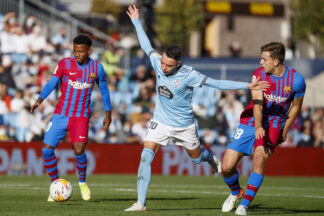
61 190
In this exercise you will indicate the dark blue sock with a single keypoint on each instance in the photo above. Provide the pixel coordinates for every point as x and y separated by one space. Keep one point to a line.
233 183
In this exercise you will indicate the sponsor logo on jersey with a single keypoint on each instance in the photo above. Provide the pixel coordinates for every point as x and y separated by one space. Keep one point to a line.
271 97
287 89
79 85
72 73
165 92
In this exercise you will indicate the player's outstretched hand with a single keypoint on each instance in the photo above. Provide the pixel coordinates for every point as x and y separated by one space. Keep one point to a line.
107 121
36 104
259 85
259 132
132 12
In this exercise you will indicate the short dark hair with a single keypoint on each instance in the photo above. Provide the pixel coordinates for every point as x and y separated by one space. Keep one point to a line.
82 39
173 52
276 49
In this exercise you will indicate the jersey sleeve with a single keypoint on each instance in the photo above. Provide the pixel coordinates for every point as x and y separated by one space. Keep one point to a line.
196 79
299 85
155 59
258 74
142 37
59 70
103 88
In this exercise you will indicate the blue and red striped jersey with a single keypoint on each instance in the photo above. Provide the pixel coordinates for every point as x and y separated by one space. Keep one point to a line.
277 99
77 83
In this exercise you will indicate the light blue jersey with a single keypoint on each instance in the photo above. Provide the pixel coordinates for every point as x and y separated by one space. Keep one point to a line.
174 92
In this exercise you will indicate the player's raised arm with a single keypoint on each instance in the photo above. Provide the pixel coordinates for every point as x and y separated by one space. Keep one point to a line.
233 85
145 44
48 88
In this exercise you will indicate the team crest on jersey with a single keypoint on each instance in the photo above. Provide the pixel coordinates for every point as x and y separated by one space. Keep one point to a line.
287 89
93 76
176 83
165 92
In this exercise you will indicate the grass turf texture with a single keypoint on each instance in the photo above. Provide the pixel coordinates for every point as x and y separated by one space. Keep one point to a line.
168 195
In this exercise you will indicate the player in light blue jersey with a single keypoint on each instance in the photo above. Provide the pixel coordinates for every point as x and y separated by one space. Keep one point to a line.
173 119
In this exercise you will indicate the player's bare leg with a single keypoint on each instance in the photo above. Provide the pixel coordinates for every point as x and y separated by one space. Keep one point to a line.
144 175
81 165
230 175
260 157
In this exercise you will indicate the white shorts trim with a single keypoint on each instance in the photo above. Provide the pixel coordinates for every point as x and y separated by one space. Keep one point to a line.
164 135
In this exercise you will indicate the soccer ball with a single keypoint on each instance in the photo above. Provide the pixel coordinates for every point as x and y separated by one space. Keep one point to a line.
61 190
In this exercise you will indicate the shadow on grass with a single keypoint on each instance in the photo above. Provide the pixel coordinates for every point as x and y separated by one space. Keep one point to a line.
134 199
259 210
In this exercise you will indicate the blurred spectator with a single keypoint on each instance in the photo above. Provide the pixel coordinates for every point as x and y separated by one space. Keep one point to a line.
235 49
29 24
111 59
38 43
4 95
289 141
307 138
140 127
318 133
60 40
22 44
5 72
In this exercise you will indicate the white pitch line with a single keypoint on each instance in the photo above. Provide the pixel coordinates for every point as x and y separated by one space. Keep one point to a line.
220 193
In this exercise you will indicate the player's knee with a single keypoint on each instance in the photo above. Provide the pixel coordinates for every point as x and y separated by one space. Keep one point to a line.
227 170
197 160
259 162
78 151
79 148
147 156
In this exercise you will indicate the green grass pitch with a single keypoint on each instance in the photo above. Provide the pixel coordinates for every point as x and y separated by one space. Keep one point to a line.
168 195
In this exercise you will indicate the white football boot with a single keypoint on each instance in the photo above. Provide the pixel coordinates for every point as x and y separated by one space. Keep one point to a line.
136 207
229 203
241 210
216 164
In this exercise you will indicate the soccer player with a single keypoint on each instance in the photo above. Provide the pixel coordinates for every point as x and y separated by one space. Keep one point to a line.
264 124
173 119
77 76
